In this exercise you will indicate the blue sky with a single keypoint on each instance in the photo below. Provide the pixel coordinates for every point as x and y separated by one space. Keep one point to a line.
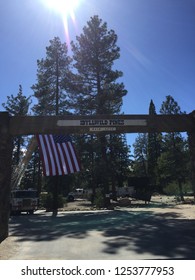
156 38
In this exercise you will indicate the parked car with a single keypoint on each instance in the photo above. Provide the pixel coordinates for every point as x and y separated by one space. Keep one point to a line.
78 193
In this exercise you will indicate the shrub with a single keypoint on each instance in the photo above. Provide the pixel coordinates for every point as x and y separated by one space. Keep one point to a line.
47 201
99 200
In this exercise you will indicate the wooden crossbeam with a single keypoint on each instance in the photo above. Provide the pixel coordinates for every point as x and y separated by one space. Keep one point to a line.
29 125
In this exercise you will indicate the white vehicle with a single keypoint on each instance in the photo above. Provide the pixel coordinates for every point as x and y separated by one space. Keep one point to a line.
23 201
79 193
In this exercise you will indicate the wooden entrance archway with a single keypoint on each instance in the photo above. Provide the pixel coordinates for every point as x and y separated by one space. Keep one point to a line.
27 125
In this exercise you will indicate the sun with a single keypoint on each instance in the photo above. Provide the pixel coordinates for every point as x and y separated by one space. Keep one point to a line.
64 7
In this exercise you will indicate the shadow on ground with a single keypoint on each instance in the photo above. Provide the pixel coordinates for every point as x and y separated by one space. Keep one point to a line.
161 235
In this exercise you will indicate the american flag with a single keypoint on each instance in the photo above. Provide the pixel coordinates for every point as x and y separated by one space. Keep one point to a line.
58 155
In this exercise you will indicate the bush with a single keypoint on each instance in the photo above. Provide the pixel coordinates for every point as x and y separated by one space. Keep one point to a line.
99 200
173 188
47 201
42 199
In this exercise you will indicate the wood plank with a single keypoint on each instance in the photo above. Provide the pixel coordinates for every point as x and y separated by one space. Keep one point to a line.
30 125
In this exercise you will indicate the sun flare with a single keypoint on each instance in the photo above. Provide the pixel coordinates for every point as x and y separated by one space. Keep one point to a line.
64 7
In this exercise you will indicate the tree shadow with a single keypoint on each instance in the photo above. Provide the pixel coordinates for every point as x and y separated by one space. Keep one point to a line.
161 235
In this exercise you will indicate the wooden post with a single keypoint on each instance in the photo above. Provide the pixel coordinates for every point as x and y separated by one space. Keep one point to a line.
5 174
191 140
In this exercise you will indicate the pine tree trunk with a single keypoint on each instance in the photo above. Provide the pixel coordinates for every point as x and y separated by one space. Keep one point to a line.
180 190
105 173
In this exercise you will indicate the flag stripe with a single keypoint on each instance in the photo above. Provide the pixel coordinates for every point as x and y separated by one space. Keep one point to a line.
76 162
49 155
72 157
68 157
48 166
62 160
52 155
58 155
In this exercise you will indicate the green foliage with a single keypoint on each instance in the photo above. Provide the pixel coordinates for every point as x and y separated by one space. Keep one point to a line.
91 88
52 75
17 106
170 106
46 201
154 147
172 188
140 154
163 157
42 199
95 90
172 164
99 199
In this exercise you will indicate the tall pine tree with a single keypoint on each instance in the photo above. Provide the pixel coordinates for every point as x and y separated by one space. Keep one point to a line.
50 90
94 88
153 149
173 160
140 165
52 75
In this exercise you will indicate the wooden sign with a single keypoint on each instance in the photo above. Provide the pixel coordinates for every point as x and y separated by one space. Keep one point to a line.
100 123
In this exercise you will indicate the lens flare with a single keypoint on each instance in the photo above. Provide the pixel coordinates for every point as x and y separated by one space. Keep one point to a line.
66 9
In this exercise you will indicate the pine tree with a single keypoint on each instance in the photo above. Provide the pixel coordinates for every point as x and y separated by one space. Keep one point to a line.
32 176
140 155
17 106
52 75
94 88
172 162
119 159
153 149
